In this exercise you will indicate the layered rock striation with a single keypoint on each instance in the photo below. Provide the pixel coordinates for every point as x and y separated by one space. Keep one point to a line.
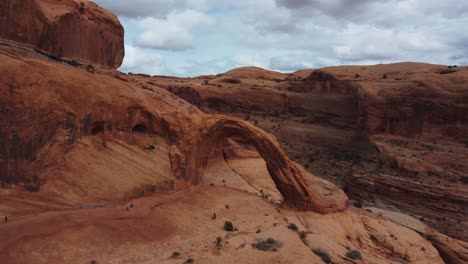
75 30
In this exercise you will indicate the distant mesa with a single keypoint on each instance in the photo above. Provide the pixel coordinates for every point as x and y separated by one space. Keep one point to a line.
79 31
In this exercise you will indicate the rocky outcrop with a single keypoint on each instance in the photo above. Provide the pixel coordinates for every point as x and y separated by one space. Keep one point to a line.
288 178
451 250
107 163
57 121
74 30
383 132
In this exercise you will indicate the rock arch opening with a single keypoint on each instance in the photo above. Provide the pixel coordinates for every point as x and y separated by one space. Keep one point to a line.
235 163
140 128
287 177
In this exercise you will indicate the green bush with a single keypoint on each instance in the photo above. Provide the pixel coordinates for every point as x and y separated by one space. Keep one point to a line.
303 234
228 226
322 254
447 71
269 244
189 260
293 227
353 254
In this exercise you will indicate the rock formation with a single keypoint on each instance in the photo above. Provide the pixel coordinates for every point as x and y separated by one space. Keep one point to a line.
101 166
76 30
396 141
65 112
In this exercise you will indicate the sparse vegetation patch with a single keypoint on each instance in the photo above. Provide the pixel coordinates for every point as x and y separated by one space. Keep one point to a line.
228 226
353 254
322 254
293 227
189 260
269 244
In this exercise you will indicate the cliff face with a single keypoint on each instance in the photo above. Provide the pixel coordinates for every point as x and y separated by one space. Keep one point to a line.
383 132
71 29
58 119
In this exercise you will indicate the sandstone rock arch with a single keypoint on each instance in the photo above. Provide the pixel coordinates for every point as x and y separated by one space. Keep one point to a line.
287 177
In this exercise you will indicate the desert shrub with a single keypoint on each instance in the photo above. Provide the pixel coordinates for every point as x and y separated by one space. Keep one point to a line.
189 260
293 227
353 254
322 254
384 76
247 117
303 235
228 226
93 261
357 76
269 244
175 254
205 82
218 241
447 71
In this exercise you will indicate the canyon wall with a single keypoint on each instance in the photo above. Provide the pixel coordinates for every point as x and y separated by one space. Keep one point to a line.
74 30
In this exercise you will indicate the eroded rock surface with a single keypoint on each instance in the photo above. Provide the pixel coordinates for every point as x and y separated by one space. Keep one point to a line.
392 135
76 30
99 166
60 117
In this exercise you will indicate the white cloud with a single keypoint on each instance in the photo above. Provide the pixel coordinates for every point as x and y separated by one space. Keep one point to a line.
195 37
139 60
172 33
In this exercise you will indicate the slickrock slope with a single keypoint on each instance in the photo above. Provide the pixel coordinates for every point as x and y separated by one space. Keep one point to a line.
51 118
71 29
391 135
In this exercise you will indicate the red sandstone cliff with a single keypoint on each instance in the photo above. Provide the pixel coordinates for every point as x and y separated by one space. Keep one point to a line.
393 135
73 29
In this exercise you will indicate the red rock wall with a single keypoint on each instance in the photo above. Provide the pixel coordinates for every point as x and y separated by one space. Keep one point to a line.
81 32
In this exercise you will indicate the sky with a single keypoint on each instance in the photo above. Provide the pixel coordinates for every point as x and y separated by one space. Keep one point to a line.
189 38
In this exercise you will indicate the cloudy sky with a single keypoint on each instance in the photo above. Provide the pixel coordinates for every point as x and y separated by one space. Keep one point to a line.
195 37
